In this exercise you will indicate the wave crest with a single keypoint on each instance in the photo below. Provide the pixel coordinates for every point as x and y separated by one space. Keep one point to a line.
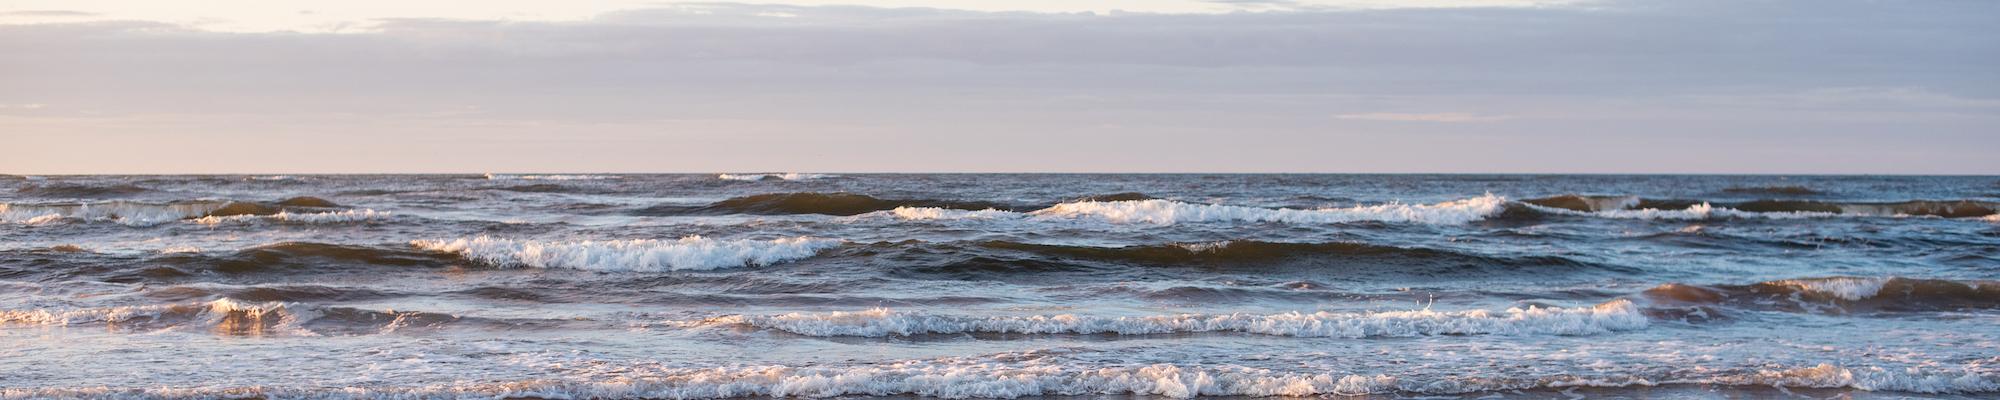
134 213
1167 212
1617 315
838 203
1837 295
225 316
787 176
687 253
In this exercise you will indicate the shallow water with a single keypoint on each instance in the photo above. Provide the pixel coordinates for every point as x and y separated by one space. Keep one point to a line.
705 286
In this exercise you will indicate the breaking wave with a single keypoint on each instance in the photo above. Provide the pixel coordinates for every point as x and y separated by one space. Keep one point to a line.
1031 374
788 176
136 213
509 177
1252 253
1137 208
1837 295
811 203
234 317
687 253
227 316
329 217
1168 212
1633 207
1617 315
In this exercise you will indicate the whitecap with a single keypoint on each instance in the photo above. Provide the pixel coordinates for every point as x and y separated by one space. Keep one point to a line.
687 253
1617 315
789 176
1167 212
328 217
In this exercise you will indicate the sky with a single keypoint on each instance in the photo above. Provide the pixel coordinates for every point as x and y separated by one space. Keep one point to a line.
1464 86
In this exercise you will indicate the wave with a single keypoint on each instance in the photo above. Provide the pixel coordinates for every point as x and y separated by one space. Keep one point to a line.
811 203
1018 375
1837 295
1168 212
1617 315
1586 203
687 253
268 293
329 217
236 317
123 212
1252 252
226 316
294 256
1339 261
1138 208
1633 207
1772 190
788 176
1031 374
76 191
135 213
576 177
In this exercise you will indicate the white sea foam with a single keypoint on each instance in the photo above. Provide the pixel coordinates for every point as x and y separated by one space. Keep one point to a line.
1703 211
1166 212
1865 378
688 253
220 313
1617 315
123 212
328 217
789 176
1850 289
1014 375
934 213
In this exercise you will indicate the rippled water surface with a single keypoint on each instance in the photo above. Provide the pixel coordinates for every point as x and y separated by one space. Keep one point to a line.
816 285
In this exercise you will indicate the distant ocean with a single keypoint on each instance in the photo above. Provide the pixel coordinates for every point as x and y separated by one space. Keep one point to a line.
998 286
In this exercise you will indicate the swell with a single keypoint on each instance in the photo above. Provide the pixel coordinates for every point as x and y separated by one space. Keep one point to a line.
1134 208
137 213
838 203
240 317
687 253
79 191
1342 261
287 257
1617 315
1255 253
1636 207
1835 295
788 176
1137 208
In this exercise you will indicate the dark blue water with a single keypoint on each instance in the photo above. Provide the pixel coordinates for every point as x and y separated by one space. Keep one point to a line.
817 285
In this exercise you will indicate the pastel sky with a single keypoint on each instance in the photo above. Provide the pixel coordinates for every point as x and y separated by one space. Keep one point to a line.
1592 86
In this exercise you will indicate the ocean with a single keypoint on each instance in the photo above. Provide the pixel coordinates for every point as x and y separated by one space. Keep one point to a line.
696 286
